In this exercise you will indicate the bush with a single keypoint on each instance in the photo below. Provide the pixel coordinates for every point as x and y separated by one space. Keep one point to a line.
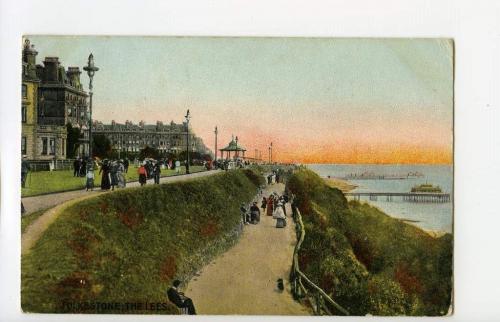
127 246
370 262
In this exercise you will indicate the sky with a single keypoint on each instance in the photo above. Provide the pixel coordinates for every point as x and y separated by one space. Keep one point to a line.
318 100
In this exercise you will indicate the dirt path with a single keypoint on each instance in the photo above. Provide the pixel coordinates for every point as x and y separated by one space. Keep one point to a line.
243 280
61 201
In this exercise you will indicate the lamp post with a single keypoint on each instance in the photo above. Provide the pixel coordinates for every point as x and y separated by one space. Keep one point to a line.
188 117
216 132
91 69
271 148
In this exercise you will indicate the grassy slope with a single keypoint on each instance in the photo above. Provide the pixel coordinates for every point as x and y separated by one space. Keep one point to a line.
54 181
129 245
372 263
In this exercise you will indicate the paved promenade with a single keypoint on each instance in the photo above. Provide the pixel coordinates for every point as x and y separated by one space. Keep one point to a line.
243 279
35 203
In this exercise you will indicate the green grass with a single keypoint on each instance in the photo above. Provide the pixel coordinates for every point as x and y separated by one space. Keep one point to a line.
42 182
126 247
26 220
368 261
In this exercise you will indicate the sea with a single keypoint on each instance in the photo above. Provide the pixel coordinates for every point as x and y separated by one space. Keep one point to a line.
432 217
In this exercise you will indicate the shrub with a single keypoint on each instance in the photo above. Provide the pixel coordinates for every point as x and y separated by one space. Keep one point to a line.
370 262
127 246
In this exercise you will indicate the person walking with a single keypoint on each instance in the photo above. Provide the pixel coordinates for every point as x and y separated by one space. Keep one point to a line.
279 215
121 175
113 174
126 164
105 169
179 299
177 166
263 204
89 185
157 172
25 168
142 174
76 167
270 205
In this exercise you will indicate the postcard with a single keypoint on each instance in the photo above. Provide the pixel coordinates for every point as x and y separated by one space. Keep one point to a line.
237 175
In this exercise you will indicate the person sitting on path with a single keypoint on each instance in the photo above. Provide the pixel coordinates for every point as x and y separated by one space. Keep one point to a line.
279 215
254 214
179 299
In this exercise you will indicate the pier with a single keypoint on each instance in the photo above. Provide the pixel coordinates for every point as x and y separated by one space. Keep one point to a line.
427 197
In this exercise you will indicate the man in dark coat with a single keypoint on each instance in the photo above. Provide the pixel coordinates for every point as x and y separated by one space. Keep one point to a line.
179 299
25 168
76 167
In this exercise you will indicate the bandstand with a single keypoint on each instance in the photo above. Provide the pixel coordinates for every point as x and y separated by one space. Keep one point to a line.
238 151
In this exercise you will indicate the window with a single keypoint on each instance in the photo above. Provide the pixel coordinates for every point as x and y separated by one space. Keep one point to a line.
52 144
23 145
23 113
44 146
63 146
24 90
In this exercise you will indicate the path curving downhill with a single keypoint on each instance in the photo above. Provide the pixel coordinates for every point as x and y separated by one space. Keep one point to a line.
243 279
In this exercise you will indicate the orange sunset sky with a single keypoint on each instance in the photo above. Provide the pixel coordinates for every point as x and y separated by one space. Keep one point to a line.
319 100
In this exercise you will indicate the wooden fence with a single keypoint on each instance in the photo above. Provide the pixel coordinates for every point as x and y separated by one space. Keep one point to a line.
302 286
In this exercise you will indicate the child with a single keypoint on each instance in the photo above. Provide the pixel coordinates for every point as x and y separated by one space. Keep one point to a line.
90 180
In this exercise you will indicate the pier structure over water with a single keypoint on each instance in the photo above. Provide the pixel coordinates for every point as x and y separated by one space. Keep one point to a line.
424 197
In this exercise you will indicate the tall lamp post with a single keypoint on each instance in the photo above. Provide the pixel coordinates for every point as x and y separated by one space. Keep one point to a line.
188 117
91 69
216 132
271 149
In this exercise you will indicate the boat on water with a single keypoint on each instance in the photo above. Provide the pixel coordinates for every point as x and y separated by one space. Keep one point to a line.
426 187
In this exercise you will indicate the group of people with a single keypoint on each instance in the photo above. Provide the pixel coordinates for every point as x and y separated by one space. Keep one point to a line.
250 216
276 176
149 169
112 175
274 206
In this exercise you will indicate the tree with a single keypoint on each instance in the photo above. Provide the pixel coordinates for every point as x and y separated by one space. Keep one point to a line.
149 152
101 146
73 140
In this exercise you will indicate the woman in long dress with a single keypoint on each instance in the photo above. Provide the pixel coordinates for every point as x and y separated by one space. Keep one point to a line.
121 176
105 182
270 205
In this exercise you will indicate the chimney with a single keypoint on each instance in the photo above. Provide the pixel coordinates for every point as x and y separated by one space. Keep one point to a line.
29 58
73 74
51 69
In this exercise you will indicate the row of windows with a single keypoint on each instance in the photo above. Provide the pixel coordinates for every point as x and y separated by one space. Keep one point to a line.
48 146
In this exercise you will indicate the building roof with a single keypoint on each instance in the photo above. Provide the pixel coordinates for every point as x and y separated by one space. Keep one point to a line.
233 146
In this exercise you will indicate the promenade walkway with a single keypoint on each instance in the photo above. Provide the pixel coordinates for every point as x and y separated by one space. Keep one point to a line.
57 202
35 203
243 280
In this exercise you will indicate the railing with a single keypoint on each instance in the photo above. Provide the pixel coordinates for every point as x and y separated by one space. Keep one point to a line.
302 286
